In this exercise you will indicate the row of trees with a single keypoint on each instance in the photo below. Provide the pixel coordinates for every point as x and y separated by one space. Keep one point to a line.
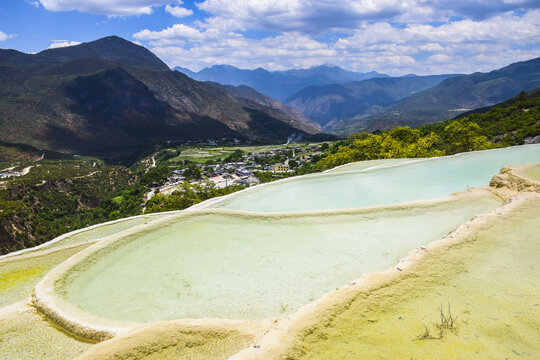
187 195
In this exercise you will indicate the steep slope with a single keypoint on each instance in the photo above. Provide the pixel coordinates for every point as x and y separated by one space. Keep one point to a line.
331 103
450 98
515 121
246 92
101 107
523 95
278 84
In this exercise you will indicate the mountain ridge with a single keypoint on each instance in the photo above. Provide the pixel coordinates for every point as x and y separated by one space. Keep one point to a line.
111 48
330 103
251 94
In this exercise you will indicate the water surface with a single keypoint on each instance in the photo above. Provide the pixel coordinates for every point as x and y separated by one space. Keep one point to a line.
251 267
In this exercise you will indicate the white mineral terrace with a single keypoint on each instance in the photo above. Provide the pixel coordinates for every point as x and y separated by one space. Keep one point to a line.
269 252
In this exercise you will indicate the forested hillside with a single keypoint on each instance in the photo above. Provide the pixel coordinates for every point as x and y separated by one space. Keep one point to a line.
56 197
513 122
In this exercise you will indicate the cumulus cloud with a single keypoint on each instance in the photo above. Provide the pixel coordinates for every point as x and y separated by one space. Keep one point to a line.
308 16
482 9
317 16
438 58
176 32
278 52
62 43
391 36
505 28
105 7
178 11
4 36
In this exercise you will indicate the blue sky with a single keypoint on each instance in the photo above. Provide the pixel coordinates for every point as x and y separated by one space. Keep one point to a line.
390 36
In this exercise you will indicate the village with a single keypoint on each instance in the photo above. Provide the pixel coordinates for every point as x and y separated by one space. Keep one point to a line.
243 168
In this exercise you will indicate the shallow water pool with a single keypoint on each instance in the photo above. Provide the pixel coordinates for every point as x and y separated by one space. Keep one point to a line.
226 265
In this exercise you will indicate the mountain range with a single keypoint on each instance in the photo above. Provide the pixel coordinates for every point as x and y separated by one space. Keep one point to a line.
111 95
345 102
278 84
248 93
447 100
329 104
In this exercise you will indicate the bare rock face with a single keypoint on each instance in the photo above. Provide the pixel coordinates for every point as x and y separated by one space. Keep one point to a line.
507 178
532 140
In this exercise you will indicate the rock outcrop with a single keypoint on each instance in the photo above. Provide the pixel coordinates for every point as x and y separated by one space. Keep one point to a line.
507 178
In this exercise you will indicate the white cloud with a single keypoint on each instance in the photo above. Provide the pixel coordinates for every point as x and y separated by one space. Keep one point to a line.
390 36
4 36
431 47
504 28
175 32
319 16
308 16
438 58
34 3
178 11
105 7
62 43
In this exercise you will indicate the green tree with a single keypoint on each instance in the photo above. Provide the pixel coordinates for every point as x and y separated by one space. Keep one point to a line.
293 163
193 172
466 136
400 142
236 156
156 175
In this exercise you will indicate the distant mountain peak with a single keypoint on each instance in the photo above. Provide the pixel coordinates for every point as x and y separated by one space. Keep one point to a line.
326 65
279 84
224 66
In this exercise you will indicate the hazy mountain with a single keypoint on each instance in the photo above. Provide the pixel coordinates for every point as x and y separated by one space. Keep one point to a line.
450 98
278 84
246 92
331 103
61 99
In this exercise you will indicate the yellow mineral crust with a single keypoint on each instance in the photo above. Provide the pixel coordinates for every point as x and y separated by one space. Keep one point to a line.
176 340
